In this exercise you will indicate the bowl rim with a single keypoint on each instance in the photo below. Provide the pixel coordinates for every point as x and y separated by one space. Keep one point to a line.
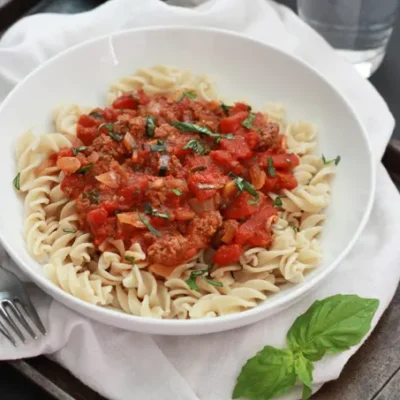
88 309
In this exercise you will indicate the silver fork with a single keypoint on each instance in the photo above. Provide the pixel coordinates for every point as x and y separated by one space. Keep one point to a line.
15 306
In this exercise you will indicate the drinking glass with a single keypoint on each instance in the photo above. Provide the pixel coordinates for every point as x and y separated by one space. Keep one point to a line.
358 29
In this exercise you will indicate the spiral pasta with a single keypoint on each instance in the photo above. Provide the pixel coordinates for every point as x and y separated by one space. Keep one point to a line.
118 274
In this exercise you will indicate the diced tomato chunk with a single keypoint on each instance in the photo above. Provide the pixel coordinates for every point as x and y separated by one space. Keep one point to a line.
225 160
252 139
73 185
286 180
243 206
227 254
144 99
97 217
126 101
255 231
233 123
279 161
66 152
238 147
239 107
205 185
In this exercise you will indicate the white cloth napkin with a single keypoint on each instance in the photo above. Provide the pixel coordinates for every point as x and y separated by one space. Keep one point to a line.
124 365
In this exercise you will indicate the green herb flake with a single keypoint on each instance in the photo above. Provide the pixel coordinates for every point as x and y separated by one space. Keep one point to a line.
214 283
16 181
278 203
189 95
294 226
248 122
195 146
335 160
270 167
177 192
148 209
150 126
226 108
67 230
92 196
193 128
253 202
84 169
130 259
147 224
116 136
159 147
96 115
76 150
192 279
243 185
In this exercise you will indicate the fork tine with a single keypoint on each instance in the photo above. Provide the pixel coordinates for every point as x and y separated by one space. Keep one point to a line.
27 305
7 317
7 334
21 319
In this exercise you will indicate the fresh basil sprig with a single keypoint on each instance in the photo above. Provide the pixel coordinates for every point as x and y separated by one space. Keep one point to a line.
116 136
191 282
195 146
248 122
193 128
243 185
189 95
148 225
16 181
330 326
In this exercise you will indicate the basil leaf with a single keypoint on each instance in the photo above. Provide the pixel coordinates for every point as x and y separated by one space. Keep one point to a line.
84 169
130 259
192 279
193 128
69 230
16 181
335 160
195 146
253 202
243 185
278 202
116 136
160 147
268 374
304 370
76 150
226 108
214 283
248 122
147 224
177 192
96 115
148 209
189 95
150 126
294 226
270 167
332 325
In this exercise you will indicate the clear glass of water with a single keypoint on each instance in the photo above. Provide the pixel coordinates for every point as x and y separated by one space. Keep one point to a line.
358 29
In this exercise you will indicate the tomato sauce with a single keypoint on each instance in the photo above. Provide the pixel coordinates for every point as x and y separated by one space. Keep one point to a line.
177 175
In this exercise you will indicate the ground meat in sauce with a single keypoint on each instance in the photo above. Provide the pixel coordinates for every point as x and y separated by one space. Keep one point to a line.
176 191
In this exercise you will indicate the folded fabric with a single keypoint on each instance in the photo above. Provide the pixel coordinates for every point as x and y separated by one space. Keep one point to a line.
125 365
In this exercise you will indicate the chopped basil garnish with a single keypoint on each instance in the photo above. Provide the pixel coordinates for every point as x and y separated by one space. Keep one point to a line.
150 126
226 108
248 122
148 209
214 283
130 259
177 192
243 185
335 160
190 95
82 170
116 136
96 115
293 226
270 167
92 195
161 146
195 146
193 128
278 201
192 279
69 230
147 224
16 182
253 202
76 150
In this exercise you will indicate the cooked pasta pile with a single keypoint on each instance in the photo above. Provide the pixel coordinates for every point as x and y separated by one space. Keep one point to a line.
113 275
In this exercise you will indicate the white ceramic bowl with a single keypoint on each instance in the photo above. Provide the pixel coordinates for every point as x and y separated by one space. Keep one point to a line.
242 68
